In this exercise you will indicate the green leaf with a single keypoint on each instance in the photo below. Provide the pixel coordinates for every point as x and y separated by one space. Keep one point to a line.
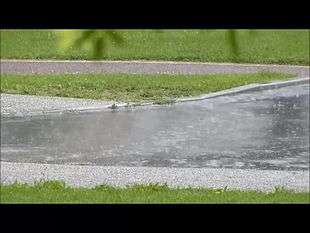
232 40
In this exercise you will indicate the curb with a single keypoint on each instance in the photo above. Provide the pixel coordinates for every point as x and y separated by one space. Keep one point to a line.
232 91
247 88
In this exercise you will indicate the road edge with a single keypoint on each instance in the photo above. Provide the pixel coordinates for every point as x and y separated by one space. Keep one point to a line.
121 105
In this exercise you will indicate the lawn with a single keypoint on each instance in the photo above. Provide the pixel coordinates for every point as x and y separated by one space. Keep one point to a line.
58 192
262 46
129 88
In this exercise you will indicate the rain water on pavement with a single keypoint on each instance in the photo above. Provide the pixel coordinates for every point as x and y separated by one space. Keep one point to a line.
266 129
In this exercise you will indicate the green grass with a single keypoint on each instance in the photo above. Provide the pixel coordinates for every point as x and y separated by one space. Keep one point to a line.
262 46
129 88
58 192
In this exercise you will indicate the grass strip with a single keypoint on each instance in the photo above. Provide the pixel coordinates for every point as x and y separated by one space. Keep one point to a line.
59 192
130 88
258 46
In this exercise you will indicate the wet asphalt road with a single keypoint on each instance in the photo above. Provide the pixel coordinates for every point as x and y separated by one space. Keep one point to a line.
140 67
262 130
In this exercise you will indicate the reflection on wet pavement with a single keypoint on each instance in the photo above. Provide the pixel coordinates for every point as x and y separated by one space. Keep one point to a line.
263 130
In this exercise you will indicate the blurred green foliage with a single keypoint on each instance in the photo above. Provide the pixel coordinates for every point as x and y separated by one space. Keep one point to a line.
97 40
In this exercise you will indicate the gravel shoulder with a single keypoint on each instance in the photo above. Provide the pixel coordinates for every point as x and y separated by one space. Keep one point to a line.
27 105
90 176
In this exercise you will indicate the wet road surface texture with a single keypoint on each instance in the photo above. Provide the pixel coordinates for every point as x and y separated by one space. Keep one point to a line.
266 129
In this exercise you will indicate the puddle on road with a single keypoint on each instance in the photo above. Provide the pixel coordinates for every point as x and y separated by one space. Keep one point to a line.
262 130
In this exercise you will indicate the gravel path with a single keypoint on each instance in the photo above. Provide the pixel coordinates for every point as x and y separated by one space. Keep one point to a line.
26 105
140 67
90 176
